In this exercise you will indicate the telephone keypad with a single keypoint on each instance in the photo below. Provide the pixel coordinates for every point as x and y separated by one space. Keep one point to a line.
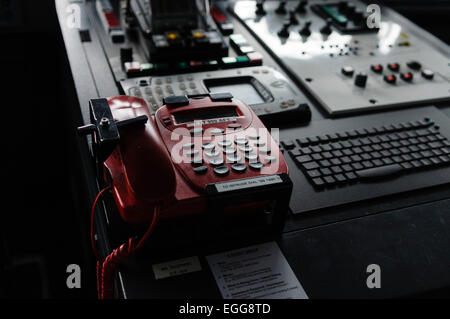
237 151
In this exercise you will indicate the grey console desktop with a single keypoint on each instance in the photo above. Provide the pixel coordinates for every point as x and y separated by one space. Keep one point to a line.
328 248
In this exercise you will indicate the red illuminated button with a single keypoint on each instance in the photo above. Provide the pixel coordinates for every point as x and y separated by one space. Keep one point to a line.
407 76
394 67
390 79
377 68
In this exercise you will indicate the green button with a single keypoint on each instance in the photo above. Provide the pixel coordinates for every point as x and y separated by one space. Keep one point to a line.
182 65
242 59
147 67
339 18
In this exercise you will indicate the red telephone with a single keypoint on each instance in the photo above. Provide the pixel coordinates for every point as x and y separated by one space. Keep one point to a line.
207 153
192 149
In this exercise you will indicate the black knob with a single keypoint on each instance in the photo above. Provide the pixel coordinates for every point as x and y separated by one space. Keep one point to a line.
361 79
357 15
292 19
342 6
327 28
260 8
281 8
350 9
305 31
301 7
284 32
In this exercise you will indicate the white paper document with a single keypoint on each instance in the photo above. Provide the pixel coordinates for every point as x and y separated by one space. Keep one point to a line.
259 271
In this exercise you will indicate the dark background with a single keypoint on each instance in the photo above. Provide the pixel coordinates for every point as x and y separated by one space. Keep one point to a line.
44 223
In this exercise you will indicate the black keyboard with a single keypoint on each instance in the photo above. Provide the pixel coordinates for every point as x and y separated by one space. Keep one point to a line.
369 154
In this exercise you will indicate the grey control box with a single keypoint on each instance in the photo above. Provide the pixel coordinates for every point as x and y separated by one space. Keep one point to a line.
264 89
350 69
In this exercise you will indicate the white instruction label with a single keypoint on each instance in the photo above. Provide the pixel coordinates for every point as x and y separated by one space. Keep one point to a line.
254 272
249 182
176 267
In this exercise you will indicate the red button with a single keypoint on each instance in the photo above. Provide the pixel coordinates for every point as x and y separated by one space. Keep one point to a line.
407 76
394 67
377 68
390 79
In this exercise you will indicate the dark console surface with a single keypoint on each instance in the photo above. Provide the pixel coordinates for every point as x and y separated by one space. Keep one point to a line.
370 188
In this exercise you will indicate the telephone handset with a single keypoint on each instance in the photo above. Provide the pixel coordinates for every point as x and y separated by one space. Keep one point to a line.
193 153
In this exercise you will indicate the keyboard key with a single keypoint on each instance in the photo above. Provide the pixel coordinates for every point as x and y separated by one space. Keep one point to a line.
351 176
303 159
335 161
329 180
325 163
347 168
310 165
295 153
340 178
336 169
367 164
313 173
303 141
406 165
318 182
288 145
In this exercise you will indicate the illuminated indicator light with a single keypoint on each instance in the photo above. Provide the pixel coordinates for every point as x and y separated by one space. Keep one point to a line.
242 59
394 66
339 18
217 15
172 36
198 35
407 76
228 60
390 79
112 20
377 68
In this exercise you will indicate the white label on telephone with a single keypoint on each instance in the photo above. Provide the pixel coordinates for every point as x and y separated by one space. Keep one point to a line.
256 272
247 183
176 267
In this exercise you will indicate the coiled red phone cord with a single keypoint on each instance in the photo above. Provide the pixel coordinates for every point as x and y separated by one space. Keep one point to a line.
107 269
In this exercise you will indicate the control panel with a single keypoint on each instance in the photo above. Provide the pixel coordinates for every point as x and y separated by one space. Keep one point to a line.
266 90
347 64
